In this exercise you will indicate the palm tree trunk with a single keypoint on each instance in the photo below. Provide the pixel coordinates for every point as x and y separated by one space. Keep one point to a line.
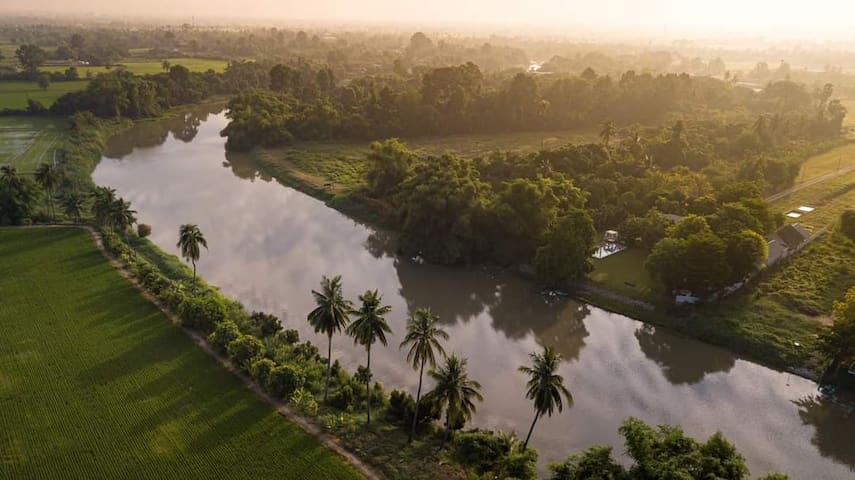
447 432
531 429
194 274
368 385
418 399
329 366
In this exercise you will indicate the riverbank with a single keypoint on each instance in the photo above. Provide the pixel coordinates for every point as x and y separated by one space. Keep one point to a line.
756 323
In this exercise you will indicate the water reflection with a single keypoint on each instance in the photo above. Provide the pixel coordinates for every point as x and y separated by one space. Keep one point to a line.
682 361
183 126
833 432
270 245
245 167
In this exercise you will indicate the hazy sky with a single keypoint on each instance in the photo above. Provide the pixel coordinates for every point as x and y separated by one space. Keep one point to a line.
776 17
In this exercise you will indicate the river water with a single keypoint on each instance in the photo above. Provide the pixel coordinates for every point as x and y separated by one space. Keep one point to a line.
269 245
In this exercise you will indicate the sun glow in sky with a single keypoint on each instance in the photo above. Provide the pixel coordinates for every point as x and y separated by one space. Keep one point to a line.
817 18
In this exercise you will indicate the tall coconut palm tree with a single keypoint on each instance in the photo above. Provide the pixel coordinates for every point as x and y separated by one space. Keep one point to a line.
121 216
104 198
48 177
545 387
331 315
189 240
607 132
165 65
423 335
368 327
456 392
72 205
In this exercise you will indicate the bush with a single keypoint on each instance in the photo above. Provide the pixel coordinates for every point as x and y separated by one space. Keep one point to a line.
303 401
263 325
289 336
342 398
260 371
143 230
223 335
201 313
486 451
284 380
402 407
244 350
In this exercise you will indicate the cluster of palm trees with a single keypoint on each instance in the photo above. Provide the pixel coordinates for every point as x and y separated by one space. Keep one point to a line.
453 389
112 211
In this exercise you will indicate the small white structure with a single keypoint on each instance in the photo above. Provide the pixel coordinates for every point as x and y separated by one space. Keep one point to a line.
609 245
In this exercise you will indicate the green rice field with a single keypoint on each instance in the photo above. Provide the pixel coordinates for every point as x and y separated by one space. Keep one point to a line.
25 142
14 94
95 382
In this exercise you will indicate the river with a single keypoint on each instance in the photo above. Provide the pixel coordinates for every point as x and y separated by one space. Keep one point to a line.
269 245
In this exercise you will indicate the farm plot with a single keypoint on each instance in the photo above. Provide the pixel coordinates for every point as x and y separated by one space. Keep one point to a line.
95 382
25 142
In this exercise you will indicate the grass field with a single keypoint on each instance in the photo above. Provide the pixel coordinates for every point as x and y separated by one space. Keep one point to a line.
95 382
624 273
343 163
14 94
834 160
25 142
144 67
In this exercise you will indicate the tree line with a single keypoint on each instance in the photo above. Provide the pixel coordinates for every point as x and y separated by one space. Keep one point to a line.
303 102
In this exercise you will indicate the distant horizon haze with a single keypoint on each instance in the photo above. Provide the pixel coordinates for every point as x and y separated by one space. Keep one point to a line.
816 20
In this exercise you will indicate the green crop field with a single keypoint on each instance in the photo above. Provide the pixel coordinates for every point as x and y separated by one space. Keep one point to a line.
95 382
25 142
143 67
14 94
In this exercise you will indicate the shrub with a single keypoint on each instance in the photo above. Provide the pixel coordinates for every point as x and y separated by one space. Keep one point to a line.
263 324
143 230
201 313
342 398
284 380
223 335
304 402
244 350
402 407
289 336
486 451
260 371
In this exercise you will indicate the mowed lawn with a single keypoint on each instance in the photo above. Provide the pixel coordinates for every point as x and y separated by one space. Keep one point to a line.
95 382
25 142
624 272
14 94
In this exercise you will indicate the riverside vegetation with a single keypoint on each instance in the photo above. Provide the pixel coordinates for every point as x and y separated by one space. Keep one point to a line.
295 371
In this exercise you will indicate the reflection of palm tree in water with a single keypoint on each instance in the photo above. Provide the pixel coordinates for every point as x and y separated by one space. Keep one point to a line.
512 302
683 361
833 428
